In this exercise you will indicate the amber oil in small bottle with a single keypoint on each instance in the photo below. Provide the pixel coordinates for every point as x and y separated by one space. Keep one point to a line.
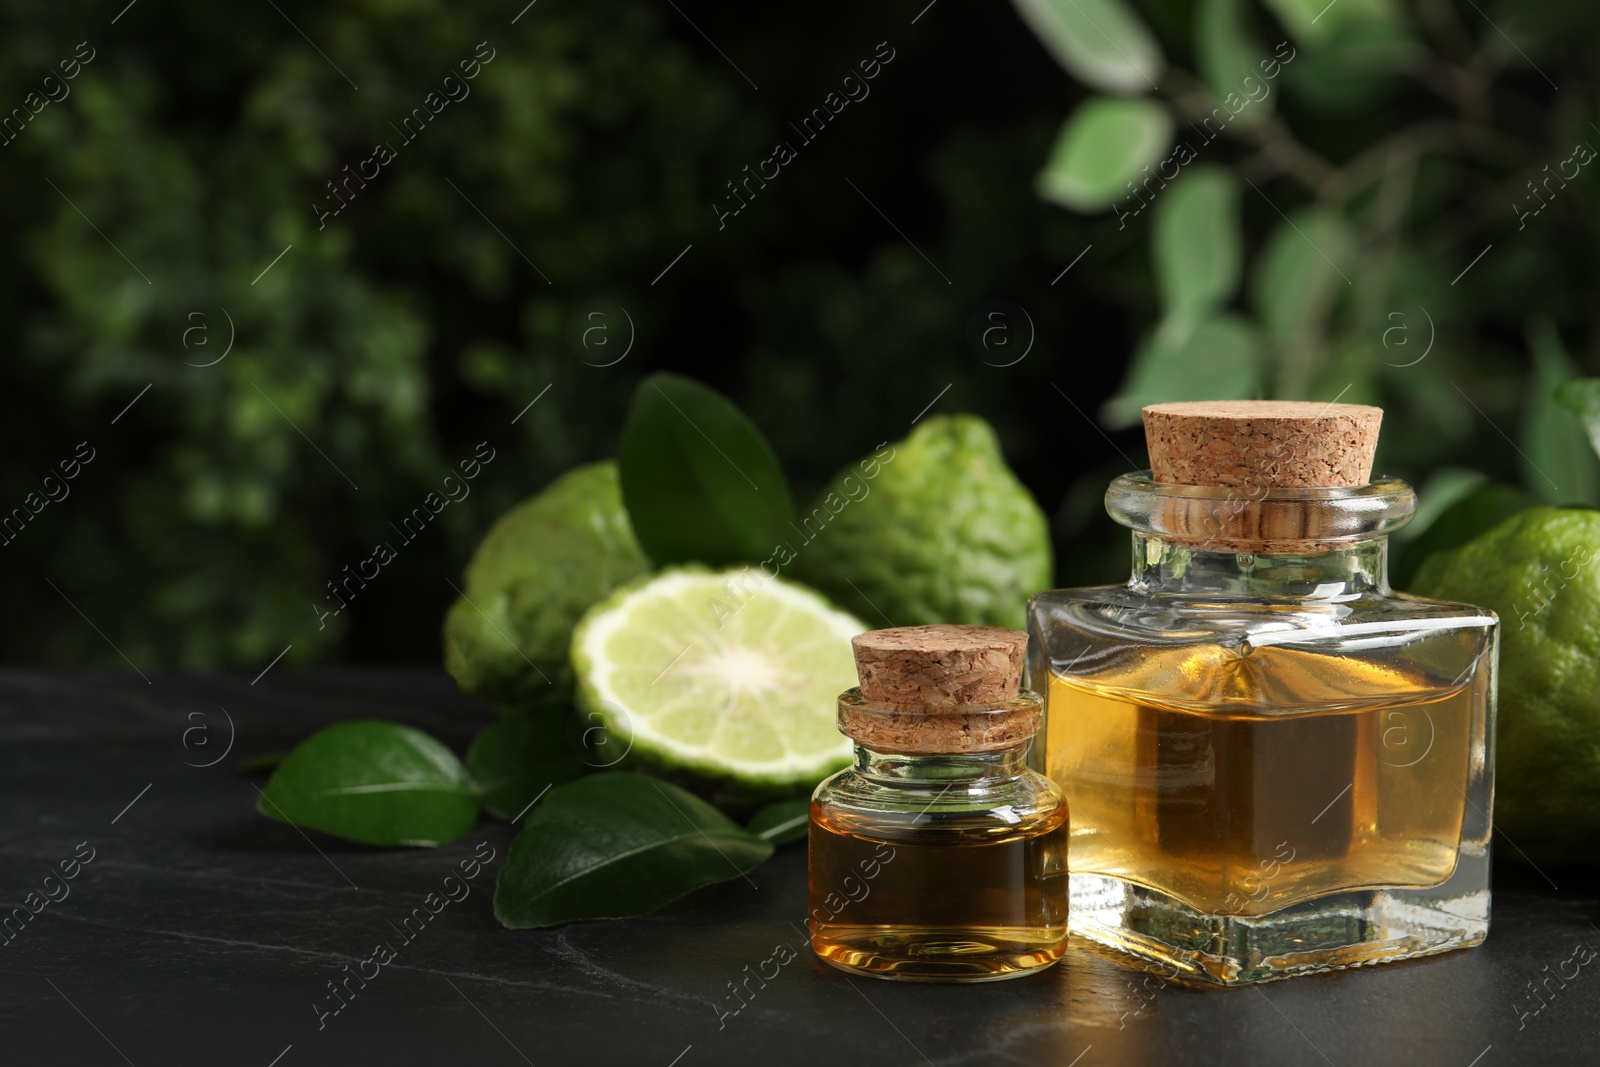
939 856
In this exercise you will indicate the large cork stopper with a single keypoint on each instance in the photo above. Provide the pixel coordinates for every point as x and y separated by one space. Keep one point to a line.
1255 447
1283 444
940 689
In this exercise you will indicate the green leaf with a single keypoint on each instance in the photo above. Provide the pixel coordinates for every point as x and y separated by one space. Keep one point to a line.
379 783
782 821
1105 144
1102 43
1582 395
1218 360
518 757
1558 464
1444 488
1477 513
1301 271
699 481
610 846
1313 21
1197 243
1228 55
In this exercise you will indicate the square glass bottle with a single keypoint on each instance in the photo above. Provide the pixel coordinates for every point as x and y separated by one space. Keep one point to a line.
1275 764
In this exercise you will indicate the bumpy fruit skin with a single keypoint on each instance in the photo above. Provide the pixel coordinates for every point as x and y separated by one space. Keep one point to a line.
1540 571
540 567
943 532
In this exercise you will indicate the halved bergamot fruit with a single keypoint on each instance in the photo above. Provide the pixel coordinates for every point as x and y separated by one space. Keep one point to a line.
730 675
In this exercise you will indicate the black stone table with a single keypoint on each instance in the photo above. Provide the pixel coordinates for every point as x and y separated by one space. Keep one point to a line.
200 932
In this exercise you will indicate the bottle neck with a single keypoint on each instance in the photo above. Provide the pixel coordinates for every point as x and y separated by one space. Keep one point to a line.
926 769
1165 566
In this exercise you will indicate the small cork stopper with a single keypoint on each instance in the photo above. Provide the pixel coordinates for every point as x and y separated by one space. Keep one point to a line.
943 682
1281 444
940 664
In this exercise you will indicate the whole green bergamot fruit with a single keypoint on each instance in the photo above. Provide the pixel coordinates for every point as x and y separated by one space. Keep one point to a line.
541 565
934 528
1540 571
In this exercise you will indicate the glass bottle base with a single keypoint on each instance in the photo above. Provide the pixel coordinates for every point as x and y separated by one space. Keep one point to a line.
938 954
1333 932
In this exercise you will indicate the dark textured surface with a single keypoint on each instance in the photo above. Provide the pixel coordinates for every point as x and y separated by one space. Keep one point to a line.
203 933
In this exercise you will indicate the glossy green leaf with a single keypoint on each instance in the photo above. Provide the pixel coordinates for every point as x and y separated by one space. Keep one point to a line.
518 757
1219 359
614 845
782 821
379 783
1197 242
1231 61
699 481
1102 43
1313 21
1105 144
1558 463
1302 271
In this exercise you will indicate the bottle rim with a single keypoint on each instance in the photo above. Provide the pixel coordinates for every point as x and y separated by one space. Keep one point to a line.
1261 518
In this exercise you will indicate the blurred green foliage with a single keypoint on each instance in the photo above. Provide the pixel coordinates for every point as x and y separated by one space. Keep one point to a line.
169 205
198 141
378 351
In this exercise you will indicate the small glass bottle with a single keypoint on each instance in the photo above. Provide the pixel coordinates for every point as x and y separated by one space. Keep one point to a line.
939 856
1275 764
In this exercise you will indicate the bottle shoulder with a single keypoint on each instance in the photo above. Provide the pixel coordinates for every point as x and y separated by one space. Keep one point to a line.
1129 611
1271 652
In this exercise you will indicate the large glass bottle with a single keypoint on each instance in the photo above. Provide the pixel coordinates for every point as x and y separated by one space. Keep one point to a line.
1275 764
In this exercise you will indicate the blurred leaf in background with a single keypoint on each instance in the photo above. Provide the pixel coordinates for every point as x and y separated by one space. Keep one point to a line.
1102 42
1559 465
1400 186
1105 145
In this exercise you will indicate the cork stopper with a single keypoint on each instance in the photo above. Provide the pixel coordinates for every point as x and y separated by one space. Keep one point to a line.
939 689
1251 448
1281 444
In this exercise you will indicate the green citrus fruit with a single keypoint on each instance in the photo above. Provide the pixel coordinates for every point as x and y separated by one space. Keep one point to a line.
935 528
1540 571
538 569
731 676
